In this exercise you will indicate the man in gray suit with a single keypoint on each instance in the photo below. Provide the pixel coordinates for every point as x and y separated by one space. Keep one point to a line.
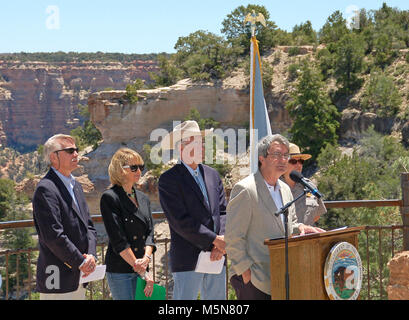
251 220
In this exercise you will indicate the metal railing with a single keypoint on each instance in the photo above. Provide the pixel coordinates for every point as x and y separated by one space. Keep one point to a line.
375 273
24 287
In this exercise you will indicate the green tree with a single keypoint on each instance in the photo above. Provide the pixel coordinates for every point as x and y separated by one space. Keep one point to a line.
304 34
372 171
168 73
368 34
334 29
383 50
348 62
87 134
6 194
13 207
404 30
315 119
365 20
293 70
204 123
131 89
239 34
283 38
204 56
381 95
325 62
366 29
155 165
391 28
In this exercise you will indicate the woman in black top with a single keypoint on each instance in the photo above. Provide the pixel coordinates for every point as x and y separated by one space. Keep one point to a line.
128 221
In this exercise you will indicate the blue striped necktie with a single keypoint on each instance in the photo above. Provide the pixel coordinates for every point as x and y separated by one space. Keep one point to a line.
201 186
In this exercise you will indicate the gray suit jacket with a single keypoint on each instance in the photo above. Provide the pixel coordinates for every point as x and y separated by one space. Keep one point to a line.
250 221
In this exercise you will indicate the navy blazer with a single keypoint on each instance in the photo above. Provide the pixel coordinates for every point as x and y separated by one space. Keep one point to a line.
127 227
193 224
65 233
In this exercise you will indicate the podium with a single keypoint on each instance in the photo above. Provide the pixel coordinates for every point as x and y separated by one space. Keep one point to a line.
306 255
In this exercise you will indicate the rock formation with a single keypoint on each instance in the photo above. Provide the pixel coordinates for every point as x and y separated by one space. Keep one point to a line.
355 122
46 104
39 99
405 134
157 108
122 124
398 288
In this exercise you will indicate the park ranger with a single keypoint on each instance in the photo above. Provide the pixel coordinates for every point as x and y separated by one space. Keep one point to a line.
309 208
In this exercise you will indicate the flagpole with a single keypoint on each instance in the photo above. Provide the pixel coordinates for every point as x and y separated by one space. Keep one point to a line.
259 121
253 138
253 135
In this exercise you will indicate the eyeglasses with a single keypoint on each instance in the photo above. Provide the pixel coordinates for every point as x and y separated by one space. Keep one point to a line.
69 150
294 161
278 155
135 167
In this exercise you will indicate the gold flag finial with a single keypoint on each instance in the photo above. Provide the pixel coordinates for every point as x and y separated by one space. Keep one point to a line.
253 18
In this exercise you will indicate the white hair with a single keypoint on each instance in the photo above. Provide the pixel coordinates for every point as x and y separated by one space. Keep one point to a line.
54 144
264 144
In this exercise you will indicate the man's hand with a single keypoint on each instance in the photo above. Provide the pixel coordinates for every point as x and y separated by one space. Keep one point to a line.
216 254
89 265
305 229
220 244
246 275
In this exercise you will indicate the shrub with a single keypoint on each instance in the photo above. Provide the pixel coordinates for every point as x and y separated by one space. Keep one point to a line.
132 91
87 134
381 96
293 70
325 62
293 51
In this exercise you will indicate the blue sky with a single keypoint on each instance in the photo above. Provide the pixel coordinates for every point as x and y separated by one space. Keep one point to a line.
149 26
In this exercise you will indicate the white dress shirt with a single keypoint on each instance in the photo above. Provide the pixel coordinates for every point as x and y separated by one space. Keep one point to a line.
69 183
275 192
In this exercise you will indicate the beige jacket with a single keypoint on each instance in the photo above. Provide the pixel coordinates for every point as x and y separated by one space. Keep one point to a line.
250 221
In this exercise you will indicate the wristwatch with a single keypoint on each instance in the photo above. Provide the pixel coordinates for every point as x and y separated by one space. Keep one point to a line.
149 257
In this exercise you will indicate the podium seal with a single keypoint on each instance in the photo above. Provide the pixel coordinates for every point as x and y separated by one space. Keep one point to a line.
343 272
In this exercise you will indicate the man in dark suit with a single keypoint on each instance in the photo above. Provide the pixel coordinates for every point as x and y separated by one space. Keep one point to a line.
193 199
66 234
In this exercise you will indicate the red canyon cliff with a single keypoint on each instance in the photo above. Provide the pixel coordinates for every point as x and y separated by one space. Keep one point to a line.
38 99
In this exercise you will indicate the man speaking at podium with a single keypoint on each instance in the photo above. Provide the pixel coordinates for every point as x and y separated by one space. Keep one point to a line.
251 219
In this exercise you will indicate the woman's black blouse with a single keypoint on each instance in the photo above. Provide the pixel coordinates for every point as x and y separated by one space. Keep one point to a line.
127 227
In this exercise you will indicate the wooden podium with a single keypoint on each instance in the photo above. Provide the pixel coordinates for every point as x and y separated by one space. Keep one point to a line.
306 259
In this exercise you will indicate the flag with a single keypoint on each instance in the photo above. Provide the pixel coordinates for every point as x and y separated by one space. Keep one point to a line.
259 121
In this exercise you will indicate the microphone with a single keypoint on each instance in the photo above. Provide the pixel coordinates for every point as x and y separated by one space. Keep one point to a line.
298 177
